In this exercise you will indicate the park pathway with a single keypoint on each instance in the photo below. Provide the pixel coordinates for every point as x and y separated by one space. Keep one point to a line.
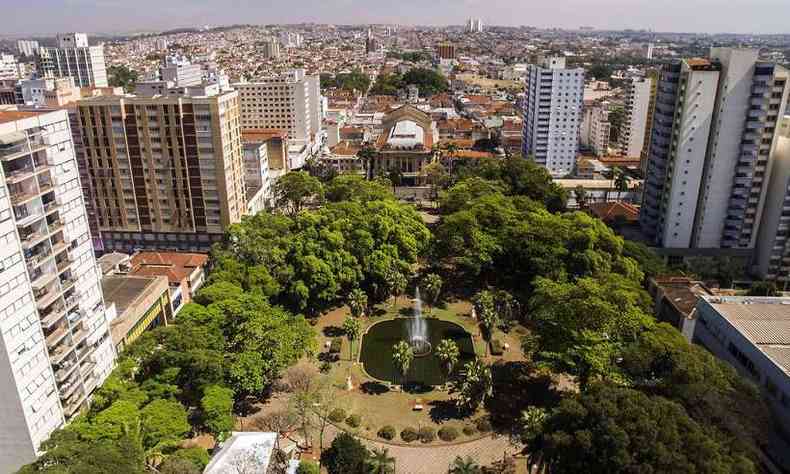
428 459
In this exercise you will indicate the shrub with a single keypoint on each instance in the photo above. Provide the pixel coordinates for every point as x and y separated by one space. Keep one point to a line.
354 420
387 432
497 347
325 367
409 434
337 415
427 434
334 348
448 433
307 467
469 430
197 455
483 425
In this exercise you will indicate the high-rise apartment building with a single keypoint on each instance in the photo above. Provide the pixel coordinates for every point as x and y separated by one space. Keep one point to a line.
446 50
552 114
180 71
9 68
27 48
74 57
772 252
653 75
709 161
290 39
634 129
371 43
271 48
289 102
55 339
474 25
162 172
596 128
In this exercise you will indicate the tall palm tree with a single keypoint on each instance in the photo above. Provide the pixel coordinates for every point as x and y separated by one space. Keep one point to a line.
452 149
357 301
620 182
366 155
448 353
380 462
402 355
464 466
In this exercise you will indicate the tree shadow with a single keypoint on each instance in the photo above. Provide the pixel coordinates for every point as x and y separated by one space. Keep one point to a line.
405 312
328 357
416 387
333 331
516 386
374 388
446 410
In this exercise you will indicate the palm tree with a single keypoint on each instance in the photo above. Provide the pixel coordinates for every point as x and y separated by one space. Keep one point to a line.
580 194
402 355
352 328
396 284
447 351
366 155
431 287
357 301
620 182
452 149
464 466
380 462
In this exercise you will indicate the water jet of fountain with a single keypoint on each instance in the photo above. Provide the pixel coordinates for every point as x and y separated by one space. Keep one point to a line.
418 328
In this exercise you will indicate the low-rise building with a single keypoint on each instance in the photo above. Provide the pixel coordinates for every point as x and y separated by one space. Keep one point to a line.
406 145
140 302
185 272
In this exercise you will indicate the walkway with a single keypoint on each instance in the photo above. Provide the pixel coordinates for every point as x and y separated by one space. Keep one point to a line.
428 459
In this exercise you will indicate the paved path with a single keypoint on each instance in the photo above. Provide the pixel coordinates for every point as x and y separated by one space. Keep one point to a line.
422 459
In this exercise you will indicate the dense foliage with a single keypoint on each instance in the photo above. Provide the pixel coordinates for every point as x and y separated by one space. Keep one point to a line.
308 262
354 80
122 76
429 82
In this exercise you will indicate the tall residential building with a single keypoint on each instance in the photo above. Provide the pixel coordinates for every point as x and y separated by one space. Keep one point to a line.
637 112
446 50
162 172
9 68
271 48
27 48
709 160
289 102
371 43
289 39
552 114
180 71
55 339
474 25
73 57
653 75
772 252
596 128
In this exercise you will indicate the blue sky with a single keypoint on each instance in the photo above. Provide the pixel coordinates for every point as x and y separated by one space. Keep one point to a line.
738 16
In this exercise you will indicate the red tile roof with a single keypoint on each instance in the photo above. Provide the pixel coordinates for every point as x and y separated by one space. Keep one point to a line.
176 266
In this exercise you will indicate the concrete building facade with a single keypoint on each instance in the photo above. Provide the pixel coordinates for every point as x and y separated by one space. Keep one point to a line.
73 57
56 347
552 114
638 95
596 128
163 172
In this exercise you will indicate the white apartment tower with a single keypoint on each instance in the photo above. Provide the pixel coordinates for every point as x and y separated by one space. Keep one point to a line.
637 110
709 160
55 339
27 47
596 128
290 102
9 68
74 57
552 114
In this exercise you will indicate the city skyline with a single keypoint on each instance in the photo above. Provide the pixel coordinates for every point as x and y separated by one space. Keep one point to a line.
112 16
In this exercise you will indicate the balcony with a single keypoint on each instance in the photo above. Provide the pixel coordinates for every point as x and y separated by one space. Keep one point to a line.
71 408
45 298
57 354
39 279
68 388
56 225
63 265
51 206
31 239
21 149
67 283
53 316
64 373
21 197
56 336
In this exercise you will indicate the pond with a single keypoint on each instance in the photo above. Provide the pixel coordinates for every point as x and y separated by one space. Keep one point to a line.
377 343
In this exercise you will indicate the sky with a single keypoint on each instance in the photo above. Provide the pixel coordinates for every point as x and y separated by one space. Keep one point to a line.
28 17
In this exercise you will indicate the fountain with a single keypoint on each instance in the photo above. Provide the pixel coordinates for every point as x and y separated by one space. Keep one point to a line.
417 329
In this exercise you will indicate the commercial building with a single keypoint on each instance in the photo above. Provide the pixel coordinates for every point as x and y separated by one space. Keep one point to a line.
636 124
289 102
751 334
55 339
74 57
596 128
552 114
709 161
162 172
140 303
27 48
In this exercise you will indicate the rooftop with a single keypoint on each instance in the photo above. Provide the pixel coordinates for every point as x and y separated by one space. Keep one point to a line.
126 292
765 322
176 266
14 115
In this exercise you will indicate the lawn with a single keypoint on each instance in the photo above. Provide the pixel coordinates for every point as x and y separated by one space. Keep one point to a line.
372 401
